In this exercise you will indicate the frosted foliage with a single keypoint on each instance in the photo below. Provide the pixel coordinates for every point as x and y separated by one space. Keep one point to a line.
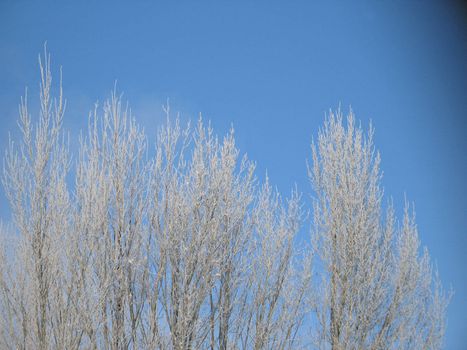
376 291
179 246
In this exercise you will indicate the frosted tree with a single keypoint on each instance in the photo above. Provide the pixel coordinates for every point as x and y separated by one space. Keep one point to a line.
111 206
213 236
376 291
38 283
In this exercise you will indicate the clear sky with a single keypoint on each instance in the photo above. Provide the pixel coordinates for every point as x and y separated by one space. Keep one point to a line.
272 69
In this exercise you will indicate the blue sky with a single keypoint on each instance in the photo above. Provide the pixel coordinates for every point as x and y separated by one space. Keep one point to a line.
272 70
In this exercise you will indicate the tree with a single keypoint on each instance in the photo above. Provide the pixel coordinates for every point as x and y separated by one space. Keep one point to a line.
184 248
376 291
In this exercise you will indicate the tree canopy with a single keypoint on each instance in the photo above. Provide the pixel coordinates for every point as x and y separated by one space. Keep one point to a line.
187 249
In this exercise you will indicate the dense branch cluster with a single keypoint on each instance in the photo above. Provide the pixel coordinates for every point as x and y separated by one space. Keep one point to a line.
183 248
